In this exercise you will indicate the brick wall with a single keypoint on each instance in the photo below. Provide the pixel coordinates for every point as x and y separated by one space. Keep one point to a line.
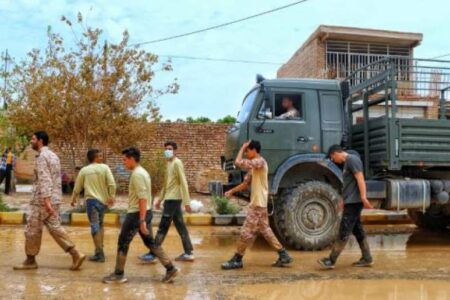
307 62
200 147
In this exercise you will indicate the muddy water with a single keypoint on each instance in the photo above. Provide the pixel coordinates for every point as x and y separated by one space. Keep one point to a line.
409 265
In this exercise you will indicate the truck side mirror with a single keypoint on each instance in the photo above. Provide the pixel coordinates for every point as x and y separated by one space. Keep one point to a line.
266 114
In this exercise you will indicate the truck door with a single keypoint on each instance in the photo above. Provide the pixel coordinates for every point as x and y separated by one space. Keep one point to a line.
282 137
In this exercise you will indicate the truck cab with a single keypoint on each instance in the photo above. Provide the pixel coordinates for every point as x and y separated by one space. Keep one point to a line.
406 162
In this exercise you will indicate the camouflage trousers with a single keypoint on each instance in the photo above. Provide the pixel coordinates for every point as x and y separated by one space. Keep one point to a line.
36 220
257 222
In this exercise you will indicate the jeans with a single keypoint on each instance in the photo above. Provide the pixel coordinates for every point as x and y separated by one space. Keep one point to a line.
172 212
96 213
351 223
6 175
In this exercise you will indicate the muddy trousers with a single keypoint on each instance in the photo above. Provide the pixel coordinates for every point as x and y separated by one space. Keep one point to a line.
96 213
129 229
350 224
36 220
173 212
257 222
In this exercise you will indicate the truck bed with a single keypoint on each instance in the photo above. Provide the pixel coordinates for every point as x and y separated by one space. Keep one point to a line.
394 143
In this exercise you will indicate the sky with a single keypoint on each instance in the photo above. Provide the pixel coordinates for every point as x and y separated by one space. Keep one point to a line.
216 89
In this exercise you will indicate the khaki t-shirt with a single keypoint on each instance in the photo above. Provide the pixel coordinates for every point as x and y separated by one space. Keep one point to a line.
257 178
97 181
140 187
175 183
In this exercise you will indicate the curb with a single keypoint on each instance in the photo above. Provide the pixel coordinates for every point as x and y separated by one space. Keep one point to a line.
12 217
201 219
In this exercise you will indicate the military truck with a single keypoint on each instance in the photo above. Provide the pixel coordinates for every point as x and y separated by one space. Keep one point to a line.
406 160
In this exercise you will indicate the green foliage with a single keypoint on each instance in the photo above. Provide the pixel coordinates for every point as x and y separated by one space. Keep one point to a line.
226 120
156 167
9 137
198 120
223 206
4 206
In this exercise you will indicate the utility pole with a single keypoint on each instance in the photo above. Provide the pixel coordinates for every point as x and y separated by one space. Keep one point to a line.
6 58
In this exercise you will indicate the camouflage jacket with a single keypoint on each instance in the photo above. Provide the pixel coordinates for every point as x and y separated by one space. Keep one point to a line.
47 178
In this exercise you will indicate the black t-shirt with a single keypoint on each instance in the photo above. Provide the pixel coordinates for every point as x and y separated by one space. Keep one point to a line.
351 193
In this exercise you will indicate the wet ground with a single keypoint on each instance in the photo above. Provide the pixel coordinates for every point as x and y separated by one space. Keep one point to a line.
410 265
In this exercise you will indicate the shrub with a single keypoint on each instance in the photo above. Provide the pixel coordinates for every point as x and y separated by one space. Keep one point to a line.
4 206
156 167
223 206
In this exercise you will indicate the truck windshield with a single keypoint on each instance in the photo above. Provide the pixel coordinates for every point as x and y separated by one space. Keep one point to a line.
247 106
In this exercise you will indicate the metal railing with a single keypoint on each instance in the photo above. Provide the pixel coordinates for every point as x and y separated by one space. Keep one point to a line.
411 78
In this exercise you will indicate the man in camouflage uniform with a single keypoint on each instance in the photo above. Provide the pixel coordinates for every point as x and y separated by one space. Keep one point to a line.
257 220
291 112
44 206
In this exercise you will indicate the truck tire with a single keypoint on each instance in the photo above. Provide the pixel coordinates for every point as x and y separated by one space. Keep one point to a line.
434 218
306 217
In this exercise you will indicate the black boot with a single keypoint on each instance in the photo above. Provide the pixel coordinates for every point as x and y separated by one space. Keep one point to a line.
283 259
366 259
329 262
234 263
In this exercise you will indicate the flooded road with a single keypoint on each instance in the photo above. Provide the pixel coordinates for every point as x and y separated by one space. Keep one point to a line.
409 264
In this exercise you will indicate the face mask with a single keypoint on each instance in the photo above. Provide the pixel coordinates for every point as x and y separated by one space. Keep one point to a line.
168 153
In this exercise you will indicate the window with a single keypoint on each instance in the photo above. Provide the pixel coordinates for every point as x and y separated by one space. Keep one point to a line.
288 107
247 106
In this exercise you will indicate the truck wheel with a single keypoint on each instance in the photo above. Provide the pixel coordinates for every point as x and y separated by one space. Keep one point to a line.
434 218
306 217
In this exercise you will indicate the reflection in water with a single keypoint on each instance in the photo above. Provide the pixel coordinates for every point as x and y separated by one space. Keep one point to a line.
401 259
346 290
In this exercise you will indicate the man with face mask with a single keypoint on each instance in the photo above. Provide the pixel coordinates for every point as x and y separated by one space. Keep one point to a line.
175 193
44 206
257 220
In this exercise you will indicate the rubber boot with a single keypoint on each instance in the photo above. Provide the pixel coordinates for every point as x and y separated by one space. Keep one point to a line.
118 276
28 264
283 259
99 255
366 259
329 262
77 259
234 263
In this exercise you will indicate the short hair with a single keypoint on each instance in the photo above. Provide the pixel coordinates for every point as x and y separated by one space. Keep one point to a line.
171 143
287 97
43 136
255 145
92 154
132 152
78 168
333 149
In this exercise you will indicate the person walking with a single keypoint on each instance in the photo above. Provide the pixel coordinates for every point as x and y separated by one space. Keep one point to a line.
257 220
174 195
44 206
354 200
138 219
97 181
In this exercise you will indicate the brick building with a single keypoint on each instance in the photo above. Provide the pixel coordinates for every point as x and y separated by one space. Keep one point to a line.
334 52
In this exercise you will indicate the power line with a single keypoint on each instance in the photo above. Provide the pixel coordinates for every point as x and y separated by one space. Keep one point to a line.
441 56
219 25
244 61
